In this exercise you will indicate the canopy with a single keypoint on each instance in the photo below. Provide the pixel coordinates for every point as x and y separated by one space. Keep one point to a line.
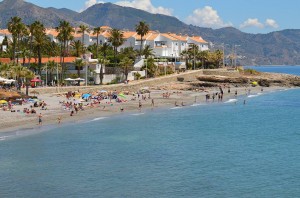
122 95
3 79
80 79
70 79
86 95
36 80
3 101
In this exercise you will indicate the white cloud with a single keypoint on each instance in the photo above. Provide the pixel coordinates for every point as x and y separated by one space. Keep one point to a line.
206 17
252 22
90 3
271 23
145 5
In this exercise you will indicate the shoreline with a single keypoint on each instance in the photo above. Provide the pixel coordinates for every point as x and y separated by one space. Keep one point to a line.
21 125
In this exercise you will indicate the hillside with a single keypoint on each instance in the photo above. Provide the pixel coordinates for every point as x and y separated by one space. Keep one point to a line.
277 48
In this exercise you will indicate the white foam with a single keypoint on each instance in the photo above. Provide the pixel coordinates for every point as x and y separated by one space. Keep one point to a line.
196 104
176 107
231 101
137 114
96 119
252 96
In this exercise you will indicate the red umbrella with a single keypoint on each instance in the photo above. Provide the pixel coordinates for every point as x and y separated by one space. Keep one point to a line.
36 80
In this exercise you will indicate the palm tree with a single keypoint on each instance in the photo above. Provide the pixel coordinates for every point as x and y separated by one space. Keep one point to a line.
6 70
126 65
17 29
148 51
97 31
83 29
203 56
77 46
65 31
142 29
116 39
79 64
102 62
40 40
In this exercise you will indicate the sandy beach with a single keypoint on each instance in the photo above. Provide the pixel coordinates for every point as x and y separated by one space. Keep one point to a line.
165 92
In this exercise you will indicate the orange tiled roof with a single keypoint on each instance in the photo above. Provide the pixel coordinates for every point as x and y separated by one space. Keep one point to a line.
106 34
179 37
105 27
169 37
44 60
198 39
52 32
4 31
152 37
5 60
128 34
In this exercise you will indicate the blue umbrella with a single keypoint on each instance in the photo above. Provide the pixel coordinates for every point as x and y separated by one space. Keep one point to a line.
85 96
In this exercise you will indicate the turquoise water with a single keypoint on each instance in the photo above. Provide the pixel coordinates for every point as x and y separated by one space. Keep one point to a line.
218 150
295 70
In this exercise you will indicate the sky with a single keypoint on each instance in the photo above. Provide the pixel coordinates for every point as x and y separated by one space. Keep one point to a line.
251 16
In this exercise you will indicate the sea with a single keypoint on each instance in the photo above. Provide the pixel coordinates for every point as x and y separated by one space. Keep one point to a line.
228 149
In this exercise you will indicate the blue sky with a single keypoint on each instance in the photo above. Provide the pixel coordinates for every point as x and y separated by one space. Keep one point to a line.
253 16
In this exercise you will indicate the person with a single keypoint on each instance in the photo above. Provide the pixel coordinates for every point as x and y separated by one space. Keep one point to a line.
59 120
152 102
140 105
40 118
72 112
121 109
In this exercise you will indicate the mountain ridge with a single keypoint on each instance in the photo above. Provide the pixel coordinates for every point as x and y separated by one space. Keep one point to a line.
279 47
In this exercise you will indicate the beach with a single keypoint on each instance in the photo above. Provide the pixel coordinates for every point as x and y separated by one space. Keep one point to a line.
166 95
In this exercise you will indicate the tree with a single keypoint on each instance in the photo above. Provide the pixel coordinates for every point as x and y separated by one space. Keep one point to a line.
97 31
83 29
142 29
40 40
151 68
51 67
126 65
148 52
77 46
65 31
102 62
116 39
79 64
17 29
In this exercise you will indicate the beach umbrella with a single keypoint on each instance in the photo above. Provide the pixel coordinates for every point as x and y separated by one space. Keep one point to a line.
3 79
70 79
254 83
3 101
85 96
79 79
103 91
36 80
121 95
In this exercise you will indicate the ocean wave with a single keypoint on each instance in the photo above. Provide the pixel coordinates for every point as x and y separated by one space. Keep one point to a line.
96 119
176 107
231 101
196 104
252 96
137 114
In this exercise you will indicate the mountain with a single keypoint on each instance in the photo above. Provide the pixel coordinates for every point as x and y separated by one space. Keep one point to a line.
126 18
29 13
277 48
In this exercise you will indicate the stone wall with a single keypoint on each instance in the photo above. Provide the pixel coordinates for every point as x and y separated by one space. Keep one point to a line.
221 72
132 86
